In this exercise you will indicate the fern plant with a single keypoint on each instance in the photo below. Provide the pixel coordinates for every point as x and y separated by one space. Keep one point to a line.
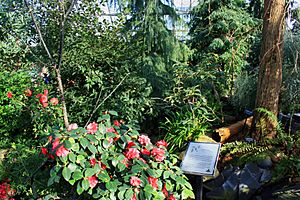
284 150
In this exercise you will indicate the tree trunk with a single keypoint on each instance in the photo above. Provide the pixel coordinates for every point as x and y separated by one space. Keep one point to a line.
270 69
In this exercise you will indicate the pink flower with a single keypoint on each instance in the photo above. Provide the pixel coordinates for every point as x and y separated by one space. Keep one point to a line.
93 181
153 182
110 130
144 140
130 144
135 181
50 138
117 123
54 101
62 151
133 197
44 151
72 127
171 197
9 95
92 128
161 143
125 162
159 154
55 143
28 93
146 152
132 153
93 162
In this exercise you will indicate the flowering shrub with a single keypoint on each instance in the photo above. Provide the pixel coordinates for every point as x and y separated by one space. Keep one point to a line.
112 161
25 106
6 192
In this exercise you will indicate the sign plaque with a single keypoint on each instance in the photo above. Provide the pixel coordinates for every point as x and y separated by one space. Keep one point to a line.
201 158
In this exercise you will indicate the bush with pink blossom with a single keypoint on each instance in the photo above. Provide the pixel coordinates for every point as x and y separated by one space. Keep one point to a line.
109 160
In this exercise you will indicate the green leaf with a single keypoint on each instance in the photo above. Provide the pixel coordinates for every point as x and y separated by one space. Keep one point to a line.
105 144
111 186
89 172
66 172
77 175
85 184
72 182
128 194
79 189
79 158
187 194
104 177
72 157
68 144
113 113
92 148
166 174
84 142
92 138
75 147
121 194
72 167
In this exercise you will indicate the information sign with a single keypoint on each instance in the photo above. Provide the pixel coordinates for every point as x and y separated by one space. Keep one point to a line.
201 158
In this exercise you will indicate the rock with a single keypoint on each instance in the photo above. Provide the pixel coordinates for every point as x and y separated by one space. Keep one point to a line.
266 163
266 176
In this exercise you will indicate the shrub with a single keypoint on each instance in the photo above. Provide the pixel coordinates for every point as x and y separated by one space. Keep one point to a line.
112 161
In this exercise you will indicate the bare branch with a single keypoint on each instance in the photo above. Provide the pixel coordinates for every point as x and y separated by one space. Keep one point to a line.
38 30
98 106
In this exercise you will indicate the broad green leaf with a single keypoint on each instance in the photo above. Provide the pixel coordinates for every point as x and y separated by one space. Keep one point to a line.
92 148
75 147
85 184
187 194
89 172
66 172
79 189
72 167
77 175
72 157
84 142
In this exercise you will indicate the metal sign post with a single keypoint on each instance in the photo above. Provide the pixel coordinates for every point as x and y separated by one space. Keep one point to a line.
201 160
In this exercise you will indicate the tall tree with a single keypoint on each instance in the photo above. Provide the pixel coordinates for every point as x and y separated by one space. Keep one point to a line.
270 69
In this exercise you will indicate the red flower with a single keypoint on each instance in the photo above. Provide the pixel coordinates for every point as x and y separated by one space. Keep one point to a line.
117 123
133 197
92 128
102 165
72 127
130 144
50 138
132 153
93 162
144 140
54 101
161 143
165 191
9 95
43 98
62 151
159 154
153 182
135 181
50 156
28 93
44 151
171 197
146 152
93 181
